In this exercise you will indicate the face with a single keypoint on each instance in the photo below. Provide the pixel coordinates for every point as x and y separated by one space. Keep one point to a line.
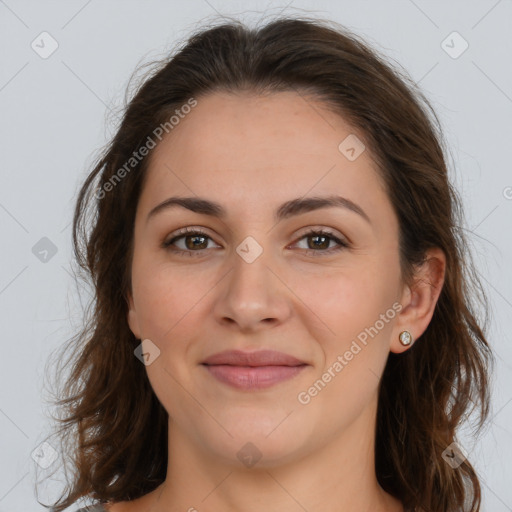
251 281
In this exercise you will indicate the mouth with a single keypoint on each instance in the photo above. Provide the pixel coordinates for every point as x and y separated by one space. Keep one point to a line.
253 370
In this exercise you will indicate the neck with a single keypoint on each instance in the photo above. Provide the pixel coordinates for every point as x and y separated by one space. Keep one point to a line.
340 475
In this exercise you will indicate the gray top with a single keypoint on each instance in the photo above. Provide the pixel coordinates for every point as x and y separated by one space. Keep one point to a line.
93 508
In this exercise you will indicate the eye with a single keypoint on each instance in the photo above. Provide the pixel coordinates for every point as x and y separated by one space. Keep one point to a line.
321 239
196 240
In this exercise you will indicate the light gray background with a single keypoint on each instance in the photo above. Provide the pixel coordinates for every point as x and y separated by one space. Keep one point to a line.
53 122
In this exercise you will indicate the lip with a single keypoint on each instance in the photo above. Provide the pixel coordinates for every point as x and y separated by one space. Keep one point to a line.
253 370
259 358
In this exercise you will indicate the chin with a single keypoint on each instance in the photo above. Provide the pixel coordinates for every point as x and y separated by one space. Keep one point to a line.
258 446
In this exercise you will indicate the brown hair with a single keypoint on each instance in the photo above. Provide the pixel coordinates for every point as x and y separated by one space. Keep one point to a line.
116 429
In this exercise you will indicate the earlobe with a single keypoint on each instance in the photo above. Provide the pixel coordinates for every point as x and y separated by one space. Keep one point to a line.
419 301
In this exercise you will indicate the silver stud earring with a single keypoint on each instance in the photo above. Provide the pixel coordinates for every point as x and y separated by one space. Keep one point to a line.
405 338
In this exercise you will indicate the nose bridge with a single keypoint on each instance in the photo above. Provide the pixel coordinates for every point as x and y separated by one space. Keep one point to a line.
252 293
250 279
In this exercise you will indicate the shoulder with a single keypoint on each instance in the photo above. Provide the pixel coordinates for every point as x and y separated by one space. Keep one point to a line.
135 505
93 508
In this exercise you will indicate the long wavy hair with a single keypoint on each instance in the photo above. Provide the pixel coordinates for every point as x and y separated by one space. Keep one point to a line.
113 429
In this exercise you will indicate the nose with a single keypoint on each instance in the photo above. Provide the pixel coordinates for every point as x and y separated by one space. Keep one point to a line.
252 296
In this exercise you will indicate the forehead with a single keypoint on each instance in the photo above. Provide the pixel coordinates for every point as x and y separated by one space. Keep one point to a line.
258 151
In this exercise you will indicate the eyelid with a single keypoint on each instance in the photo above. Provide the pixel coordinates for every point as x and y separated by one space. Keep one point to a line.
320 228
342 242
183 232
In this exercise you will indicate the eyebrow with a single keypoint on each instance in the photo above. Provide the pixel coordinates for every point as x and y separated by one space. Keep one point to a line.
286 210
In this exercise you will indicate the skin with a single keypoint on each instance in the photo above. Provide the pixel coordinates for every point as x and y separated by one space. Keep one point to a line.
251 154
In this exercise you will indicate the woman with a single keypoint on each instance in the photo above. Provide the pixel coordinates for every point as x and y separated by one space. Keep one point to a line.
282 319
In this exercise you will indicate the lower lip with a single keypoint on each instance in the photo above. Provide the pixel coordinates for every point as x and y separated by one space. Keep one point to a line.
253 377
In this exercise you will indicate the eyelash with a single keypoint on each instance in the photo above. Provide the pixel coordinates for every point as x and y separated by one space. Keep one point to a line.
183 233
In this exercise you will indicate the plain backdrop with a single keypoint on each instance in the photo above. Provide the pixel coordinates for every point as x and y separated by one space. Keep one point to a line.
57 111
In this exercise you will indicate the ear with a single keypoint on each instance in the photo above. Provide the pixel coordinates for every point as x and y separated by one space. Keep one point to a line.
419 300
132 316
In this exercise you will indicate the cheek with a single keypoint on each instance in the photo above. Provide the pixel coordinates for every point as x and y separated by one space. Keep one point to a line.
347 301
170 306
357 309
170 299
161 303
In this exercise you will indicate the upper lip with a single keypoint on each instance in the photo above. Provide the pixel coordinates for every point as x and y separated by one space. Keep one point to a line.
259 358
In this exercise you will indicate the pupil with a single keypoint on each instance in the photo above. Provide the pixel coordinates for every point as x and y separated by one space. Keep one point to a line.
193 244
322 237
